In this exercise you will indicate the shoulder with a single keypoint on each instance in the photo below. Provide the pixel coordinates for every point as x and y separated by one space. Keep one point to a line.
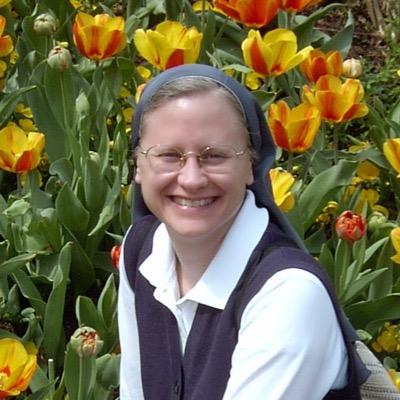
295 296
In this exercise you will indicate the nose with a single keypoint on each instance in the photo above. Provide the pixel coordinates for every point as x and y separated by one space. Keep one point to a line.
191 176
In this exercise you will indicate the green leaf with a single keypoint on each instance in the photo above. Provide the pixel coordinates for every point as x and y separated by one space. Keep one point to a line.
54 314
9 101
70 210
305 30
15 263
30 292
361 283
108 370
342 40
322 188
385 309
87 315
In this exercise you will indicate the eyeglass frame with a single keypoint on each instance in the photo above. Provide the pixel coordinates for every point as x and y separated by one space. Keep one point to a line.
184 155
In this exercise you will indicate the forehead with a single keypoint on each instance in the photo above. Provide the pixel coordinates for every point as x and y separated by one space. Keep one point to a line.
204 113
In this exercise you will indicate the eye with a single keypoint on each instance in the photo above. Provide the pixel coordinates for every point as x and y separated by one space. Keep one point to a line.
168 155
215 155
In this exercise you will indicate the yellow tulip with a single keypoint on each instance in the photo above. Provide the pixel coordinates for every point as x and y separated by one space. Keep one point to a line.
319 63
281 182
169 45
294 129
367 171
99 37
391 150
17 366
273 54
337 101
6 44
20 152
395 239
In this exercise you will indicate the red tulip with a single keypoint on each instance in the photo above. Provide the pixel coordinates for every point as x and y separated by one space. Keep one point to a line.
115 254
350 226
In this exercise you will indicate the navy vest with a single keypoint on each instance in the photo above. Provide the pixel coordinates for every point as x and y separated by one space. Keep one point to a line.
202 372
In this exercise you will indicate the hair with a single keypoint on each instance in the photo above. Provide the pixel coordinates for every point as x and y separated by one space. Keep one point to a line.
190 86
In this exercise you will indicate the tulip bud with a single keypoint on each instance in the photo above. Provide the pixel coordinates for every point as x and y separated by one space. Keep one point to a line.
376 220
352 68
59 58
350 226
115 254
45 24
86 342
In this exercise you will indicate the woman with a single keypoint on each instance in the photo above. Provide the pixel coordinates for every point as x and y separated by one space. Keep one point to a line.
205 309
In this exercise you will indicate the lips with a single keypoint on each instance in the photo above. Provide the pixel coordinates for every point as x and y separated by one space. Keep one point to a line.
193 203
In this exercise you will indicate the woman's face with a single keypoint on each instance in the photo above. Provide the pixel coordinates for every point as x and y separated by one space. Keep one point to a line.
194 204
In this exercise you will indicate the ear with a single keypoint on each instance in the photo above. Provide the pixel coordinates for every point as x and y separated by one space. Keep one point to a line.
138 176
250 176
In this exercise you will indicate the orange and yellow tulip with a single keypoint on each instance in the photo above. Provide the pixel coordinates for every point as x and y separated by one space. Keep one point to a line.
20 152
294 129
273 54
169 45
17 366
281 182
319 63
6 44
297 5
391 150
99 37
4 2
337 101
395 239
253 13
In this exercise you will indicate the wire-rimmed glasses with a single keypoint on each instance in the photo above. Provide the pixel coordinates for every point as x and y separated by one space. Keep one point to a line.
165 159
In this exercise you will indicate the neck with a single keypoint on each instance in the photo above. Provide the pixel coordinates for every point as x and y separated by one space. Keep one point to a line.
193 258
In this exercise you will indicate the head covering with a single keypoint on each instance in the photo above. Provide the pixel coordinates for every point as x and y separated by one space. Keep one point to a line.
260 137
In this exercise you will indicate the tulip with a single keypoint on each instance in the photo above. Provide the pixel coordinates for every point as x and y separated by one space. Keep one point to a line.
253 13
59 58
391 150
395 239
273 54
337 101
367 171
20 152
319 63
297 5
99 37
6 45
281 182
352 68
350 226
294 129
17 366
4 2
45 24
115 255
86 342
169 45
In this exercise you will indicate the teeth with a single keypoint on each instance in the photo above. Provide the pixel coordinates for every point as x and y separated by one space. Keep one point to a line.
193 203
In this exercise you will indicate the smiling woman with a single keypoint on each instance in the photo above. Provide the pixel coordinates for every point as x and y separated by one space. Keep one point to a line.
201 287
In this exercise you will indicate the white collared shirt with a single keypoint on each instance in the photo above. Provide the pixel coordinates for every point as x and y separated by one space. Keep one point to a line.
290 346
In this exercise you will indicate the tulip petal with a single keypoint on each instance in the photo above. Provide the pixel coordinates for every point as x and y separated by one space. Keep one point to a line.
391 150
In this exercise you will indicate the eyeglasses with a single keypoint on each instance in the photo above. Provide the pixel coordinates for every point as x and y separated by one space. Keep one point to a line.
212 159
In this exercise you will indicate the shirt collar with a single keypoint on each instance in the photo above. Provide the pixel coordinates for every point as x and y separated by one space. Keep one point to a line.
221 276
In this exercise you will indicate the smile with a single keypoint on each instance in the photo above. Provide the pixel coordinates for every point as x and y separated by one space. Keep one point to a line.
192 203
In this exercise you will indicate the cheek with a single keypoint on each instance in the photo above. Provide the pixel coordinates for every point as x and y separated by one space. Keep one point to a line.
250 175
